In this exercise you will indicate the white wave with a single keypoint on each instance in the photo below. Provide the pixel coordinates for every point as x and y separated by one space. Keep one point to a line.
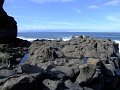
117 41
32 39
66 38
28 39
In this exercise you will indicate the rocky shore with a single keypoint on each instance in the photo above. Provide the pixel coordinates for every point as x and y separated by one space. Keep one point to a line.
82 63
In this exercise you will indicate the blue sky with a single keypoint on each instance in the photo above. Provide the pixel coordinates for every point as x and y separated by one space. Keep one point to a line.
65 15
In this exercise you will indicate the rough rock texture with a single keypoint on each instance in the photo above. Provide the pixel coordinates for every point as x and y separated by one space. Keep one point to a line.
84 62
11 54
8 26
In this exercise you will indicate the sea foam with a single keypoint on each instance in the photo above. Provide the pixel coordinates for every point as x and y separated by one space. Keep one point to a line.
28 39
32 39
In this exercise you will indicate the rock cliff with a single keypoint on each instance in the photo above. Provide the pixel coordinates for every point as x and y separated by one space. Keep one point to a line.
8 26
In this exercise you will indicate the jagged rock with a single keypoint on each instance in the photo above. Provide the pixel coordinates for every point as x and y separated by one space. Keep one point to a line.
52 85
82 63
69 85
61 72
97 59
86 73
6 73
87 88
24 82
8 26
11 54
26 68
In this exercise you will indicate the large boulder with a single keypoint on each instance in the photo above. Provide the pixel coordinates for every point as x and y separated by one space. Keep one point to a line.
24 82
8 26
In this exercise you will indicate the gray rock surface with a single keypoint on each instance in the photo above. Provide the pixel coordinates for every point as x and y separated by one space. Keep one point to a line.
88 61
52 85
78 64
11 53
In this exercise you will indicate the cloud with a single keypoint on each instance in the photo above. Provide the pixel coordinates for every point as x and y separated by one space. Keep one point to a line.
113 18
112 3
50 1
77 10
29 27
93 6
109 3
62 23
52 25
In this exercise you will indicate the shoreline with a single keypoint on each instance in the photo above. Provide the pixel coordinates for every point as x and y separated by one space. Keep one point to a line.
79 63
63 38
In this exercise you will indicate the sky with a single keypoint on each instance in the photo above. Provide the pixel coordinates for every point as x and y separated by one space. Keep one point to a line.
65 15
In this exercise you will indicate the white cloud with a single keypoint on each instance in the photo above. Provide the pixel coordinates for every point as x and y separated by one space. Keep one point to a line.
62 23
49 1
113 18
77 10
28 27
49 25
93 6
112 3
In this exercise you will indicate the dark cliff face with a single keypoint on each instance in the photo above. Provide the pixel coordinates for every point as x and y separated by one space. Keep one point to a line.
8 26
1 3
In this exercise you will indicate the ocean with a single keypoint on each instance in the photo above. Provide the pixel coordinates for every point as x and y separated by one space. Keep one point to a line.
31 36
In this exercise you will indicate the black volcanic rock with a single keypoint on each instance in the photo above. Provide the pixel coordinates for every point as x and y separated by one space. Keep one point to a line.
11 53
8 26
87 62
82 63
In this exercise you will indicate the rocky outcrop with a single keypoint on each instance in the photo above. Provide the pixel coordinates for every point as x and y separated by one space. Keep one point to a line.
11 54
85 63
8 26
82 63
